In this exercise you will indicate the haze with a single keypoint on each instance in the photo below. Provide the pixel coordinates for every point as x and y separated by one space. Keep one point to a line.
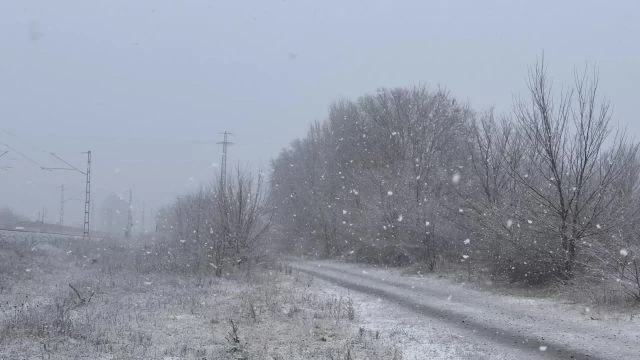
147 85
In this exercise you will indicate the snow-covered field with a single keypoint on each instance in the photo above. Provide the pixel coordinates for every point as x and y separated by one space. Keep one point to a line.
127 308
444 320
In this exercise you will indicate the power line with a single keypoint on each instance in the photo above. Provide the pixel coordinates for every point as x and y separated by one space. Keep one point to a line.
4 168
86 232
24 156
23 140
71 167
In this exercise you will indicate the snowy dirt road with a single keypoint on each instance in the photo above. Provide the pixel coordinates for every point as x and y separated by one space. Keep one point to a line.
479 324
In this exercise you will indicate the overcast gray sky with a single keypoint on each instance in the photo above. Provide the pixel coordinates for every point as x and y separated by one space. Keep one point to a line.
148 84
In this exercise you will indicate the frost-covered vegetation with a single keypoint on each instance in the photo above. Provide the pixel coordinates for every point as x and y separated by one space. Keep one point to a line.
62 298
546 194
219 225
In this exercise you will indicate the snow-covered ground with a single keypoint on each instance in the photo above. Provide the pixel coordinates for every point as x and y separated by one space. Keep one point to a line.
443 320
324 310
63 298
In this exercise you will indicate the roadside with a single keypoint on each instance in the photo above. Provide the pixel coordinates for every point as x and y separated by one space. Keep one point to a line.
539 327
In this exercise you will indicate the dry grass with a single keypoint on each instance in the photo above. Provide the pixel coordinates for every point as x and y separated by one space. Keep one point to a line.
62 298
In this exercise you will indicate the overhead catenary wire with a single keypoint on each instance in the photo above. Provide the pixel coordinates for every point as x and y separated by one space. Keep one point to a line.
25 157
23 140
34 162
71 167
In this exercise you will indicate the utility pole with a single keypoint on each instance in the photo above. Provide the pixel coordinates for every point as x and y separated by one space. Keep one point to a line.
93 208
155 222
61 187
223 166
127 231
86 231
143 225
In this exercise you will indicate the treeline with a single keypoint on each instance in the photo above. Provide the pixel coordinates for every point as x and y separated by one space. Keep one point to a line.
411 175
9 218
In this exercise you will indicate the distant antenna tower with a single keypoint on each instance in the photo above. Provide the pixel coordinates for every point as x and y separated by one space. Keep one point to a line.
223 166
127 232
86 233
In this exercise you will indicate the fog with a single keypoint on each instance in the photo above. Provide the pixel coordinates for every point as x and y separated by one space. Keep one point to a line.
147 85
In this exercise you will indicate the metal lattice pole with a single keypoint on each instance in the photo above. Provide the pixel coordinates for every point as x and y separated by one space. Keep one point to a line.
86 234
223 166
128 231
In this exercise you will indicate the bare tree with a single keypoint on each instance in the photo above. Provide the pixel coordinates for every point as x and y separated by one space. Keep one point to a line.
564 173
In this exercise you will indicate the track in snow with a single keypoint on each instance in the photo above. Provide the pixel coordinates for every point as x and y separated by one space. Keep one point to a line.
526 325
